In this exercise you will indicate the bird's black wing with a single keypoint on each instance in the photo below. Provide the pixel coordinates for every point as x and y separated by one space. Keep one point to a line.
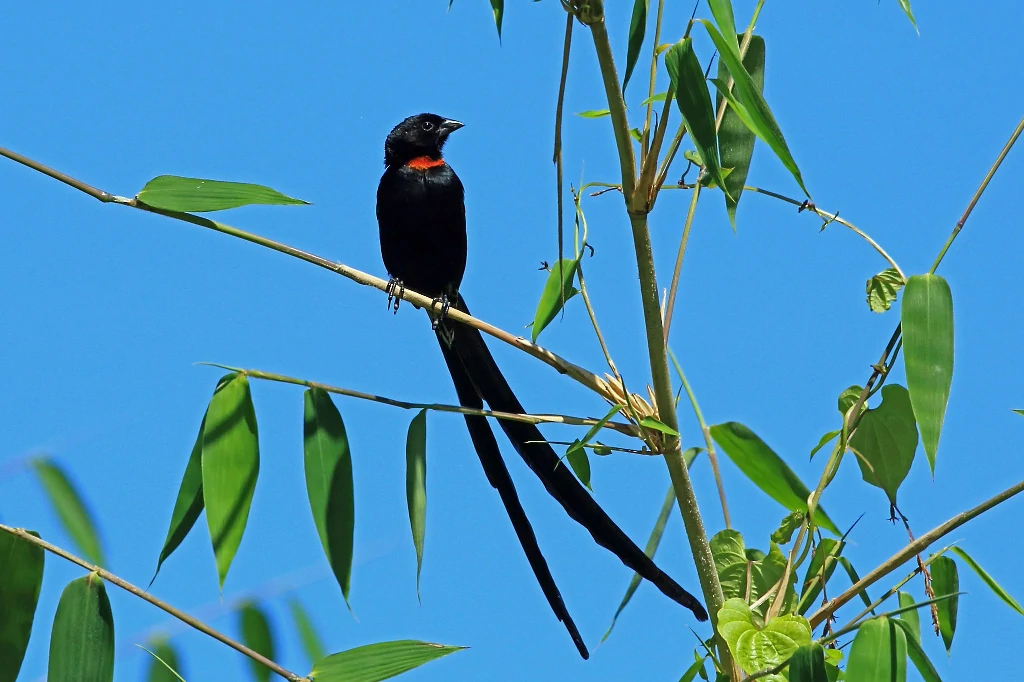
468 344
497 474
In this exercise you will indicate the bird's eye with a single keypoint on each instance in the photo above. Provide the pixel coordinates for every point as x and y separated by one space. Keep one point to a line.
427 125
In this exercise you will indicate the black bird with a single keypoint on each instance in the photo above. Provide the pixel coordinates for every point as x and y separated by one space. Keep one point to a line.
422 218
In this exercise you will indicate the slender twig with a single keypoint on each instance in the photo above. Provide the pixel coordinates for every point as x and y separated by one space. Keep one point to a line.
164 606
557 156
627 429
910 550
670 304
977 195
652 150
665 402
583 376
709 442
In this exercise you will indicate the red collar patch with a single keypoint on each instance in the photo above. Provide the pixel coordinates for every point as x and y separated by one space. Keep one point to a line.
424 162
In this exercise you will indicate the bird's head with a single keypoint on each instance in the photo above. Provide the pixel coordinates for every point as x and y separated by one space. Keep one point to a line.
417 136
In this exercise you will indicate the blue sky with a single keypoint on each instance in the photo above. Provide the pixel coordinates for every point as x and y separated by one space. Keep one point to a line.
106 309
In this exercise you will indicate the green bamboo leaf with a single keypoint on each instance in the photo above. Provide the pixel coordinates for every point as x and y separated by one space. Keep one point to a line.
658 425
329 482
231 465
750 104
694 101
883 288
735 138
885 441
82 639
988 580
21 575
195 195
910 617
945 581
71 511
375 662
652 547
498 9
557 290
416 485
637 26
721 10
825 440
916 654
657 97
879 653
165 666
697 668
927 318
595 113
819 571
576 455
767 470
189 503
256 635
808 664
312 645
905 5
851 573
654 540
756 648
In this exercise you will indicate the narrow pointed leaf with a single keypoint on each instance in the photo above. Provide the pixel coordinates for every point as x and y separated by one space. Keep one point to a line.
766 469
696 668
721 10
879 653
82 639
911 617
824 440
927 318
375 662
851 573
808 664
658 425
576 455
416 485
988 580
595 113
883 288
652 547
755 112
165 666
694 101
189 503
329 482
74 516
21 575
195 195
312 645
557 290
231 465
945 581
885 441
916 653
819 571
256 635
657 97
905 6
637 27
498 9
735 138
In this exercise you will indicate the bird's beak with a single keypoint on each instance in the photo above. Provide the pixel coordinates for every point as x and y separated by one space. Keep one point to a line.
449 126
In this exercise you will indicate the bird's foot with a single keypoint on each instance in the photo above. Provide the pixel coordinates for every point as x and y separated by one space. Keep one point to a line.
395 289
445 305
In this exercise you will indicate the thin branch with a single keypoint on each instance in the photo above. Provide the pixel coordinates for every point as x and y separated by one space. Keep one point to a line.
626 429
670 304
652 150
557 156
977 195
709 442
145 596
581 375
910 550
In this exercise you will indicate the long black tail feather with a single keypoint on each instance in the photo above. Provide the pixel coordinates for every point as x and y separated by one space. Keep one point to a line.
497 474
489 384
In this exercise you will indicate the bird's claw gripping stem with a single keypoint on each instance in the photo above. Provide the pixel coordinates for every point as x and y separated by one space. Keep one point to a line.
395 290
445 305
